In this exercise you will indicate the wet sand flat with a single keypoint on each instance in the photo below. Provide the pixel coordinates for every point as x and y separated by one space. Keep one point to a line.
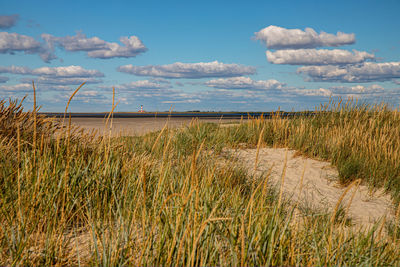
140 126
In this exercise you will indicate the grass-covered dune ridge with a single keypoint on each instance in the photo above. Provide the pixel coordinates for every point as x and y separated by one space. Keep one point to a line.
361 140
170 198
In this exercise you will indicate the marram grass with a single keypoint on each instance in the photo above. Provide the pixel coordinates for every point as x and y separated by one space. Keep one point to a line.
171 198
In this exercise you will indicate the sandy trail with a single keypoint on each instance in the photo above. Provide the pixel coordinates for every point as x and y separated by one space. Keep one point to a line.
320 184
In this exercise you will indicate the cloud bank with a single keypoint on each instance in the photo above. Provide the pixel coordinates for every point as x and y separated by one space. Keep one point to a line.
22 87
275 37
189 70
96 47
366 72
317 57
357 91
52 78
62 81
14 42
244 83
142 85
10 43
54 72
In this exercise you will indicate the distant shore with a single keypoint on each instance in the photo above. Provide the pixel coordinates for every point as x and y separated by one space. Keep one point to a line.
236 115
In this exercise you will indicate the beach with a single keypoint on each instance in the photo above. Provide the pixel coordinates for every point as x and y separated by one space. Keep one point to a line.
139 126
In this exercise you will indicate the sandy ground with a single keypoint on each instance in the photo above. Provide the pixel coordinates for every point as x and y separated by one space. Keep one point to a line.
139 126
320 187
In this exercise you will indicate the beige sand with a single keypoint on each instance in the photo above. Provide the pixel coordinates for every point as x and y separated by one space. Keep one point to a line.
320 185
139 126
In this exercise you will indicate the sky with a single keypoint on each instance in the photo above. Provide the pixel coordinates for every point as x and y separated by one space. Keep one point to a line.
199 55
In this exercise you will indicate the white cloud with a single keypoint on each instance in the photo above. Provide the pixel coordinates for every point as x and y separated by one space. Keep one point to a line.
155 92
8 21
15 70
3 79
317 57
84 96
14 42
189 101
22 87
26 87
96 47
312 92
276 37
54 72
68 71
142 85
62 81
244 83
357 89
189 70
55 78
89 93
367 72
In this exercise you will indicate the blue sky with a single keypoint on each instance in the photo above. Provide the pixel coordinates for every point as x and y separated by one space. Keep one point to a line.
203 55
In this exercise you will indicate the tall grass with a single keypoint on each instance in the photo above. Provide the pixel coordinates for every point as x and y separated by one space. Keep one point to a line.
361 140
166 198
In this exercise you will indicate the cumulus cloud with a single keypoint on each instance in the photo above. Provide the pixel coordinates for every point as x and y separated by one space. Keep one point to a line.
154 92
313 92
83 96
26 87
22 87
8 21
54 72
142 85
244 83
373 91
186 101
366 72
357 89
62 81
275 37
14 42
68 71
3 79
317 57
96 47
15 70
189 70
55 78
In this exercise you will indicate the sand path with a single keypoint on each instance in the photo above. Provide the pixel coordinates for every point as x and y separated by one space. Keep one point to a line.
320 184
